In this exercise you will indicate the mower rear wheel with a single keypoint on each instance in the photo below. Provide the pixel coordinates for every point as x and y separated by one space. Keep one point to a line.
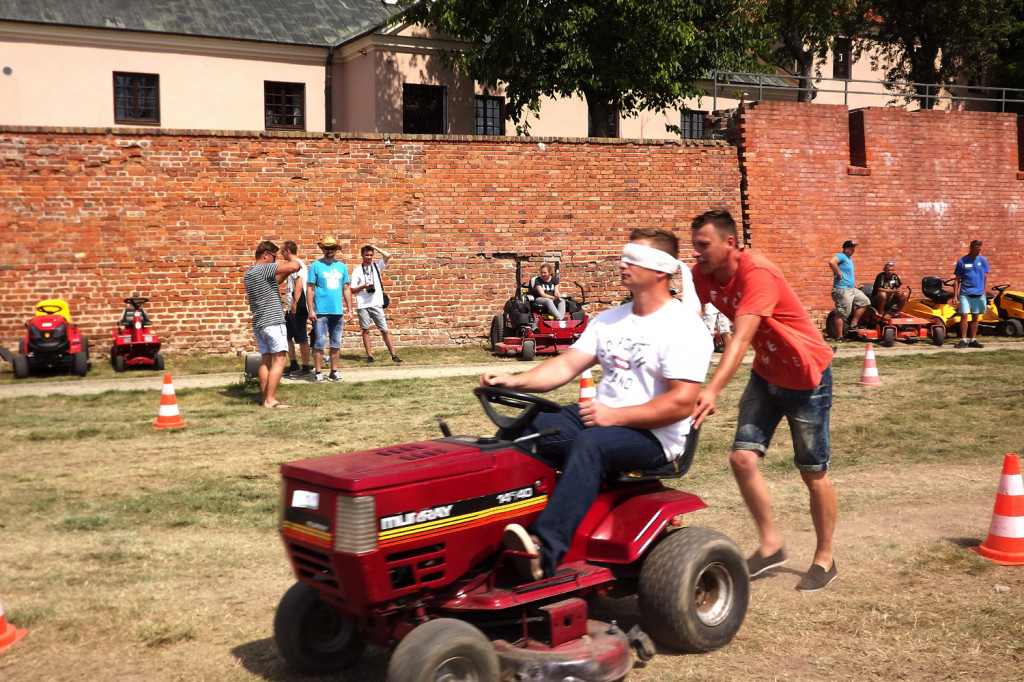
694 590
314 638
529 349
888 337
81 363
938 335
497 331
159 362
1011 328
444 649
830 328
20 363
118 363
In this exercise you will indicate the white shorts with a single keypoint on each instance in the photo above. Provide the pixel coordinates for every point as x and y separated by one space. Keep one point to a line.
272 339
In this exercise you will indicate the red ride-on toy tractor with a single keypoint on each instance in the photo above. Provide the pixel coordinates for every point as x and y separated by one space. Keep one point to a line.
402 546
888 326
51 342
136 343
526 330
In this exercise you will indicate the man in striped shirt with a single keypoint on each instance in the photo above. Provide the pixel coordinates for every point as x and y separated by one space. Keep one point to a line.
262 287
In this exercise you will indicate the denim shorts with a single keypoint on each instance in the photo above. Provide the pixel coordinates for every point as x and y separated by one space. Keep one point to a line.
272 339
763 406
328 326
974 305
375 313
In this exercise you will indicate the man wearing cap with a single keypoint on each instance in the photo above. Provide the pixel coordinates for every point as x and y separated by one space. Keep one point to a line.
888 290
847 297
971 273
262 288
329 299
654 352
791 378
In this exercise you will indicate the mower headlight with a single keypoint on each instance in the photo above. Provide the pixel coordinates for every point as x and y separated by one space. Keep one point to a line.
355 525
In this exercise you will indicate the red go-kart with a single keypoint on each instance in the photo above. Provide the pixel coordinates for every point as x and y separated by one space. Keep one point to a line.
51 342
527 330
402 546
136 343
888 326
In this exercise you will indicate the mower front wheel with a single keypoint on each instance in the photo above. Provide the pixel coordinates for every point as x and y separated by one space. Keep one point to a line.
119 363
314 638
20 363
888 337
81 363
529 349
497 331
444 649
694 590
159 362
938 335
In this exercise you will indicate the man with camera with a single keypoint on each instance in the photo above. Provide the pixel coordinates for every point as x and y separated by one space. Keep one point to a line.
369 291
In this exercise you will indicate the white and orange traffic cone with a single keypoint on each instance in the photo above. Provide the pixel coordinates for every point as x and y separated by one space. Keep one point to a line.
9 635
869 374
168 416
587 389
1005 542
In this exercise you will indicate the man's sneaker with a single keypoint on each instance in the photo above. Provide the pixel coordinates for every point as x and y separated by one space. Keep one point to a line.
757 564
961 344
817 578
395 358
319 377
855 327
369 358
840 340
334 376
292 368
974 344
305 371
516 539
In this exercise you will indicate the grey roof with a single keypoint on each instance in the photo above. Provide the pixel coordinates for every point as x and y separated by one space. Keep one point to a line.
293 22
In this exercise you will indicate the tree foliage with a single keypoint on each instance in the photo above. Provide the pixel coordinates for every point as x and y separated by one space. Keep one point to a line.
620 55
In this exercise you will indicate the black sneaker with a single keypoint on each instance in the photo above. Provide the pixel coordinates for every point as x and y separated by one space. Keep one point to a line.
292 368
961 344
974 344
839 340
369 358
395 358
757 564
334 376
817 578
516 538
855 327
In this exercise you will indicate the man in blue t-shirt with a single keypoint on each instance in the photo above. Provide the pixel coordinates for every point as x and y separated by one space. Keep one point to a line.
847 297
329 299
969 292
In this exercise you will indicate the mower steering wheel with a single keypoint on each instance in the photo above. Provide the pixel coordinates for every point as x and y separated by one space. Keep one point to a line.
136 302
49 309
1000 287
530 405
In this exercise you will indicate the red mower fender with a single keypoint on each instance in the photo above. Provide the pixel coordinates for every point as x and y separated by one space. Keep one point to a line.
629 529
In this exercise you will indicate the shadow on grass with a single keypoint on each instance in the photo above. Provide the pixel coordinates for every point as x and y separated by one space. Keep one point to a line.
262 658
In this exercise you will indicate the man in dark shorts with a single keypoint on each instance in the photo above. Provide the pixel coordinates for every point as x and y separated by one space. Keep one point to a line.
791 378
296 317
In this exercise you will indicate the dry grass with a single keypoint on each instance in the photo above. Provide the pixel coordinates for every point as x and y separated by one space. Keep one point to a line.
138 554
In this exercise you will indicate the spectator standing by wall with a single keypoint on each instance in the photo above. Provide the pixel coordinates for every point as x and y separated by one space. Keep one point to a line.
369 290
262 288
296 315
329 301
848 298
971 273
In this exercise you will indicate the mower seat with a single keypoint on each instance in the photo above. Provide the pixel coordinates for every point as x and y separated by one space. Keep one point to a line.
932 289
674 469
128 318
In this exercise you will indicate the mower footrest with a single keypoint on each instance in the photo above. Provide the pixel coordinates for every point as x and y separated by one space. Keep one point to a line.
564 621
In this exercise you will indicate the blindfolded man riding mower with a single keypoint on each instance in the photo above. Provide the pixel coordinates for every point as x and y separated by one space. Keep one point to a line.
51 343
888 326
525 328
136 343
402 546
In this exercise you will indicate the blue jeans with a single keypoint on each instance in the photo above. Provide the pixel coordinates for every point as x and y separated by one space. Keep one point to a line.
586 456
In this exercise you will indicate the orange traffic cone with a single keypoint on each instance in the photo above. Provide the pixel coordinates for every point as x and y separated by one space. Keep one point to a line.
9 635
168 417
869 374
587 389
1005 542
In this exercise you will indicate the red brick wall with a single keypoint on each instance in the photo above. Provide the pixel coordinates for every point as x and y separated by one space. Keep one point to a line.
931 181
94 216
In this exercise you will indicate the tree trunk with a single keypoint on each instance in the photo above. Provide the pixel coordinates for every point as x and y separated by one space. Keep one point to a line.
603 115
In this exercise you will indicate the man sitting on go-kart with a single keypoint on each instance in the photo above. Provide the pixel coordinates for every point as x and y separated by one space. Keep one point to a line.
654 354
888 292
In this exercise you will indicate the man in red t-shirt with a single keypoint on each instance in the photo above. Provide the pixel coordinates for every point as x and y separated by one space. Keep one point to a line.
792 378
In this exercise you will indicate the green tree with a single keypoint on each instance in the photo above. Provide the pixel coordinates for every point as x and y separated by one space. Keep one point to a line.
807 31
622 56
1009 72
935 43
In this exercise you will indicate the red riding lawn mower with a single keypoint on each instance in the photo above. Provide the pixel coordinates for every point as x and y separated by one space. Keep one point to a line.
887 327
402 546
136 343
51 343
527 330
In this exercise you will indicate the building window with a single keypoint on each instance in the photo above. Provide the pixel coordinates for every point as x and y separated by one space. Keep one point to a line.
691 125
284 105
136 98
613 125
424 109
842 58
490 115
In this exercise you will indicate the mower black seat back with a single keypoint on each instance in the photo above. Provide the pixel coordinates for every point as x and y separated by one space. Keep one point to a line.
674 469
931 287
46 341
128 318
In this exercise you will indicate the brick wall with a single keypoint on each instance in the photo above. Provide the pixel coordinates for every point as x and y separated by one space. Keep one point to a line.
94 216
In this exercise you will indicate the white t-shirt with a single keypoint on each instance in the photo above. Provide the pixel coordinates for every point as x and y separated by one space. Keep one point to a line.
289 285
638 354
364 274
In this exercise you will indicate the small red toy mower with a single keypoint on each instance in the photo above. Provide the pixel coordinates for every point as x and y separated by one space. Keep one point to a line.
526 330
51 342
402 546
888 326
136 343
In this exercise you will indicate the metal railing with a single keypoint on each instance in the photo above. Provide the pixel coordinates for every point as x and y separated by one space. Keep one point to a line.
733 83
